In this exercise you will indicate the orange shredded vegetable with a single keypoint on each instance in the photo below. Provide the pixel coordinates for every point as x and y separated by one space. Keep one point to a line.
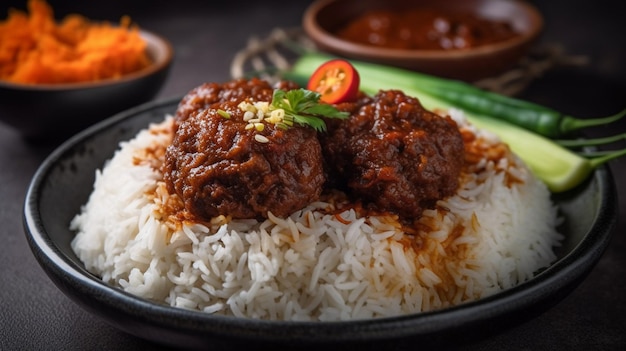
35 49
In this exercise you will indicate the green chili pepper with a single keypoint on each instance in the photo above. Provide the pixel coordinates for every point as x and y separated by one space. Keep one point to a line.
534 117
581 142
558 167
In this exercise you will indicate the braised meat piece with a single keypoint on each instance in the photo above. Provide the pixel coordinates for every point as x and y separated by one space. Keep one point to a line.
207 94
393 154
218 165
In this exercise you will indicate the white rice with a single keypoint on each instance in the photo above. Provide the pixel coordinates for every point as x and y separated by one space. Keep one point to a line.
492 235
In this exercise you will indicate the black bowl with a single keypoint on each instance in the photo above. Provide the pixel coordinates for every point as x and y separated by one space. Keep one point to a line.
57 111
65 179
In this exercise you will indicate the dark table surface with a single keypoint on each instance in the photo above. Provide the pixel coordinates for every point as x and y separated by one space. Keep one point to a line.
36 315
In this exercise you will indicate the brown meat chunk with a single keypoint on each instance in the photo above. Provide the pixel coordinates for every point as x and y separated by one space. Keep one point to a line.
218 168
207 94
394 155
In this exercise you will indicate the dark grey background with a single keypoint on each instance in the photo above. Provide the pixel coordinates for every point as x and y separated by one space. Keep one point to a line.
34 314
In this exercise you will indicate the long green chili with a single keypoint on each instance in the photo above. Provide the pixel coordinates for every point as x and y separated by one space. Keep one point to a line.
539 119
534 117
558 167
582 142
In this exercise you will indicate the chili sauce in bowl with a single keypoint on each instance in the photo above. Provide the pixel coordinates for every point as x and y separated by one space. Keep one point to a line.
467 40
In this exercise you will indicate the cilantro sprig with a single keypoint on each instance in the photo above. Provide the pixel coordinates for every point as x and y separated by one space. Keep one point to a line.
304 107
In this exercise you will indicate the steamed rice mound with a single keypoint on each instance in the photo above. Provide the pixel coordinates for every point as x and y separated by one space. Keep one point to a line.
319 263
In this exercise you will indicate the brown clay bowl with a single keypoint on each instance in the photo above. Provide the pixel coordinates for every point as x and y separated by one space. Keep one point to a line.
323 18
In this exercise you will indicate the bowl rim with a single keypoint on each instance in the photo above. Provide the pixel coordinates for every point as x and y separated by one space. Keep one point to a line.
560 277
152 40
320 35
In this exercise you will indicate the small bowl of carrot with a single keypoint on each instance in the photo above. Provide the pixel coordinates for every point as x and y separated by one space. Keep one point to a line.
57 78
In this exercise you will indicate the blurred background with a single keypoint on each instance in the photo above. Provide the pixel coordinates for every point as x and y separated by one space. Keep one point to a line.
206 35
592 29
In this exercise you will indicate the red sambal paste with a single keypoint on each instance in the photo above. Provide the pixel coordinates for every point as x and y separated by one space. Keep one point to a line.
425 29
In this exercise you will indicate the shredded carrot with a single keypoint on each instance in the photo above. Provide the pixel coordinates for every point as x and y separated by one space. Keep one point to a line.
35 49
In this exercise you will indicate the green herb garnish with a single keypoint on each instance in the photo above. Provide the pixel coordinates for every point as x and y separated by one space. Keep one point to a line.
223 113
304 107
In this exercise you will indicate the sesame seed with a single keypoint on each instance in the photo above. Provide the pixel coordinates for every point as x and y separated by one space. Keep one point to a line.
260 138
262 106
245 106
248 115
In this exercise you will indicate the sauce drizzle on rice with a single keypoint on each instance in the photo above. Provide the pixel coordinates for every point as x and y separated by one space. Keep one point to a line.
332 260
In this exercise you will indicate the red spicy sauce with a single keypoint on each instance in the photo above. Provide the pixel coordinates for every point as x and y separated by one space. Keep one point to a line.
425 29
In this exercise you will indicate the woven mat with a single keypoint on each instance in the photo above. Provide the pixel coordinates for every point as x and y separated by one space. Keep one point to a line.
266 56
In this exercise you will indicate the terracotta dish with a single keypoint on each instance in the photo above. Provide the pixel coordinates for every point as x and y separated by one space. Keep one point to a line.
324 18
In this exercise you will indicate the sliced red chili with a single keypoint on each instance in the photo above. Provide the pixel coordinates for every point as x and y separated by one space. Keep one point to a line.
336 80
